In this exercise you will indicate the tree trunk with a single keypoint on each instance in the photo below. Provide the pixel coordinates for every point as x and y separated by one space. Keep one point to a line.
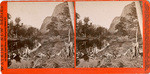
139 14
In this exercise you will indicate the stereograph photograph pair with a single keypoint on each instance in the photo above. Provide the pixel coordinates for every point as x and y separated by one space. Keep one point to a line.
81 34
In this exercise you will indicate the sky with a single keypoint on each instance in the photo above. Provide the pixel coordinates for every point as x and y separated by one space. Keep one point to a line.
101 13
31 13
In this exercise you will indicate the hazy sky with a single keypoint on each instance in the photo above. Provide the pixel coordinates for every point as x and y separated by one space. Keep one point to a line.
31 13
101 12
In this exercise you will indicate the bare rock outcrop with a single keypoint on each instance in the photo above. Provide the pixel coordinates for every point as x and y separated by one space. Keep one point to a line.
127 16
59 9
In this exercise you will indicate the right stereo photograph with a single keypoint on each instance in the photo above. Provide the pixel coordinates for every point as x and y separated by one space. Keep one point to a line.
109 34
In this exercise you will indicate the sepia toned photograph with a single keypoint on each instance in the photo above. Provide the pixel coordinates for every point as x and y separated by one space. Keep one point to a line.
40 35
109 34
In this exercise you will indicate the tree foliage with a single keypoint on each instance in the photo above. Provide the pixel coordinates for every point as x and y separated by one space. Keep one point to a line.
86 20
8 16
19 31
88 30
17 20
77 16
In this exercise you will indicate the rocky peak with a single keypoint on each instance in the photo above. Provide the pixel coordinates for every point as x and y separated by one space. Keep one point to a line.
59 9
129 10
46 21
128 13
115 21
56 13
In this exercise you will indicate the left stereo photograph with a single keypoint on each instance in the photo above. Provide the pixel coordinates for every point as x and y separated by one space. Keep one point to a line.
40 35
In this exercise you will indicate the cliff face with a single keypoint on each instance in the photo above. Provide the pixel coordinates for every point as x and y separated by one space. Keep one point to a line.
129 10
115 21
46 21
128 17
59 9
